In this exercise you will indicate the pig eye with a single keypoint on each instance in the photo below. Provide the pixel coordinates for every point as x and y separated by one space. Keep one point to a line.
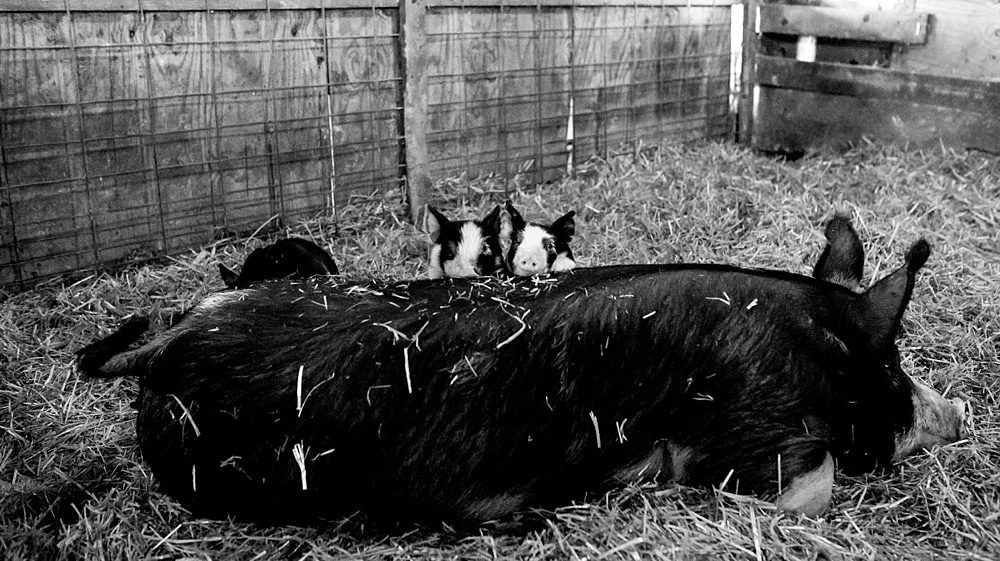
485 250
550 246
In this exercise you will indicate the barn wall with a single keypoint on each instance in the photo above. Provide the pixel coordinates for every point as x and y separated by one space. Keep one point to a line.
875 83
135 129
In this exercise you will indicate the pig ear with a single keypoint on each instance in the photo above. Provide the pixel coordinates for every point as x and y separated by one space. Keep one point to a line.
228 276
843 258
505 230
516 220
564 227
493 221
433 222
878 312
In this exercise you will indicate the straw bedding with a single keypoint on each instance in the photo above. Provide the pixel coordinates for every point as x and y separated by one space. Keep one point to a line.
73 486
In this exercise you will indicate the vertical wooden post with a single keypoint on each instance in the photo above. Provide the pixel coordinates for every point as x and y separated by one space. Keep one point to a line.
412 15
748 74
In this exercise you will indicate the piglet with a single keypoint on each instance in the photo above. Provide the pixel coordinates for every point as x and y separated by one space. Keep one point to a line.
287 258
462 248
531 248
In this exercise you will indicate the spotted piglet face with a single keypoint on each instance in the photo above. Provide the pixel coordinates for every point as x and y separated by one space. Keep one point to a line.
462 248
531 249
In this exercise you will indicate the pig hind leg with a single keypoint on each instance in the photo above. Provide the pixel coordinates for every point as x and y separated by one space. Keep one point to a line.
90 360
770 459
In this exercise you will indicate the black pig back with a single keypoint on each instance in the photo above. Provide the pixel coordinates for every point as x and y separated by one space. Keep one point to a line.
735 367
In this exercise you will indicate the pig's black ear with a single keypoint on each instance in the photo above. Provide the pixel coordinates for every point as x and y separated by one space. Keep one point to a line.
228 276
434 221
493 221
564 227
879 310
505 229
329 264
843 259
516 220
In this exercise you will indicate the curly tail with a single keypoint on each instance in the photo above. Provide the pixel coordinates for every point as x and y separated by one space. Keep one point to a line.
91 360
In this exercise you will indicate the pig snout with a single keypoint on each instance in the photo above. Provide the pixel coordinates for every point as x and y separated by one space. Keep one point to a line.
529 266
936 421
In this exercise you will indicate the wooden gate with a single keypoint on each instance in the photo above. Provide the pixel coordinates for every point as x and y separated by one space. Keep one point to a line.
826 75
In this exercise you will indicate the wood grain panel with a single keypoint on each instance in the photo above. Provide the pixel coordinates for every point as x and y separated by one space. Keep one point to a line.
845 23
498 90
797 121
964 41
862 82
49 209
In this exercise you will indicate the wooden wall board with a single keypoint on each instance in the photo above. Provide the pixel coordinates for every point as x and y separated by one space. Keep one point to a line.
28 121
554 43
964 41
577 3
188 5
845 51
496 76
275 5
70 136
590 80
179 65
448 54
796 121
366 97
269 115
946 90
640 68
844 23
874 83
150 132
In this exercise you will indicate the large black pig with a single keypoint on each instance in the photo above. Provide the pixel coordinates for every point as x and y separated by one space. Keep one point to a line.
470 399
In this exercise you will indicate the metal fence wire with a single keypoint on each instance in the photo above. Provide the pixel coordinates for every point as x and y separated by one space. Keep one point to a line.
136 128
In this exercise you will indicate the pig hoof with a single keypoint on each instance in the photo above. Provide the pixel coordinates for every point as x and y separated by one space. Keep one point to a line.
809 493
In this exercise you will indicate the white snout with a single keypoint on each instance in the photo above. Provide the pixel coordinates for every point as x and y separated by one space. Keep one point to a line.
936 421
530 265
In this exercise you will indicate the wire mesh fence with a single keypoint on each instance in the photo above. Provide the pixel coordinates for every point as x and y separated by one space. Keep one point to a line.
132 129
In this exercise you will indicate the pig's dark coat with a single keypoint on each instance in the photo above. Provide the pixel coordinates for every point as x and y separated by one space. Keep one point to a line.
287 258
692 371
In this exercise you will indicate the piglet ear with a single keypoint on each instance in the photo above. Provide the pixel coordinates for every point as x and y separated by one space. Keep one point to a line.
228 276
516 220
879 310
505 229
433 222
564 227
493 221
843 259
